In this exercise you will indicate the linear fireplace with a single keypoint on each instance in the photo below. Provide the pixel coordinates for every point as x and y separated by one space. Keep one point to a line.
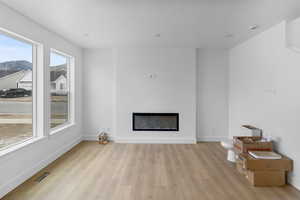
155 121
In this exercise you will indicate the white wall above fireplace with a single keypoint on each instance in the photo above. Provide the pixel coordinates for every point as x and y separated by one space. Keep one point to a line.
155 80
292 34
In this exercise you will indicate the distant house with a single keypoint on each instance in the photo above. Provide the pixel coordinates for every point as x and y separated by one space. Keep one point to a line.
23 79
26 81
11 80
60 84
58 78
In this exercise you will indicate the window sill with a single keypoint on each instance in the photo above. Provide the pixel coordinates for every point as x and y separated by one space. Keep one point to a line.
61 129
19 146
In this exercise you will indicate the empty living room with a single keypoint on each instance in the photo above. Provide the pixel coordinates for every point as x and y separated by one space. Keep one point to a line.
149 100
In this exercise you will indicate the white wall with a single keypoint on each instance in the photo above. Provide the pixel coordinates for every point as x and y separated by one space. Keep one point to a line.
19 165
120 77
293 32
212 94
172 90
212 90
265 91
98 92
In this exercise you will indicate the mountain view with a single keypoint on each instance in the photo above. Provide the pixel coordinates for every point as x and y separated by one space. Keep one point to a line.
10 67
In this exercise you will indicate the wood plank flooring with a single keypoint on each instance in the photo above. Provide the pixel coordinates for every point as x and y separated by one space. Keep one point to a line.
145 172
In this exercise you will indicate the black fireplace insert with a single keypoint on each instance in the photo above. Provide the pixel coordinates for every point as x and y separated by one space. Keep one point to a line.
155 121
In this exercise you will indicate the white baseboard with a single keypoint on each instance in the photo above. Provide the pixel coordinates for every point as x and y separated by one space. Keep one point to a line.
212 139
294 183
94 138
89 138
144 140
26 174
156 140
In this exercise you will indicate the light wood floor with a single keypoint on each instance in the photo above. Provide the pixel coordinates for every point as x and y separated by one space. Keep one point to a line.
143 172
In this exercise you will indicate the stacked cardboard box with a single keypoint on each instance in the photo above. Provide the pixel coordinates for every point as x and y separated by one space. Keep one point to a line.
260 172
245 144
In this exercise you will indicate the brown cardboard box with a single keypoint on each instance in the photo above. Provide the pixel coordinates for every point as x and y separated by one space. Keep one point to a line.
264 172
245 144
263 178
266 178
253 164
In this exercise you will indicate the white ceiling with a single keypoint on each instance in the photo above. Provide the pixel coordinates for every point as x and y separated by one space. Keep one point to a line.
132 23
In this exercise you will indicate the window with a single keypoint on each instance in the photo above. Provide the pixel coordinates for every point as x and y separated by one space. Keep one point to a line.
53 86
60 65
17 89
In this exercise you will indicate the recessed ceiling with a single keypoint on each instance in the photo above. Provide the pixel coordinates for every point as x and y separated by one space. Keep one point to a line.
137 23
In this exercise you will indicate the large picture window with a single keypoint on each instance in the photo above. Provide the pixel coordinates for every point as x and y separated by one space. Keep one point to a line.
60 65
17 69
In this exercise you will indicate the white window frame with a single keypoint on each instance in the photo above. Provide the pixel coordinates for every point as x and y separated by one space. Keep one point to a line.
37 105
71 96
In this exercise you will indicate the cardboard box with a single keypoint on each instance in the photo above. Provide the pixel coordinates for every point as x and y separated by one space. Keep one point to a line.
266 178
253 164
254 130
245 144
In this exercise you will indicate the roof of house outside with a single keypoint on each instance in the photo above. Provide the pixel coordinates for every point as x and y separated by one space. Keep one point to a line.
26 75
15 74
57 71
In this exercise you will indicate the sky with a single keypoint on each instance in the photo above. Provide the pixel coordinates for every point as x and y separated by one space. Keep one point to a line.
56 59
12 49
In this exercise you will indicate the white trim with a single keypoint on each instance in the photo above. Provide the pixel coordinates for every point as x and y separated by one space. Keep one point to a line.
27 173
18 146
61 128
89 138
294 183
94 138
18 36
39 86
37 53
34 91
156 140
212 139
72 98
61 53
71 92
144 140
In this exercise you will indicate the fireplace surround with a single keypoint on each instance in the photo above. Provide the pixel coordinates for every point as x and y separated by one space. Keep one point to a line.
155 121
